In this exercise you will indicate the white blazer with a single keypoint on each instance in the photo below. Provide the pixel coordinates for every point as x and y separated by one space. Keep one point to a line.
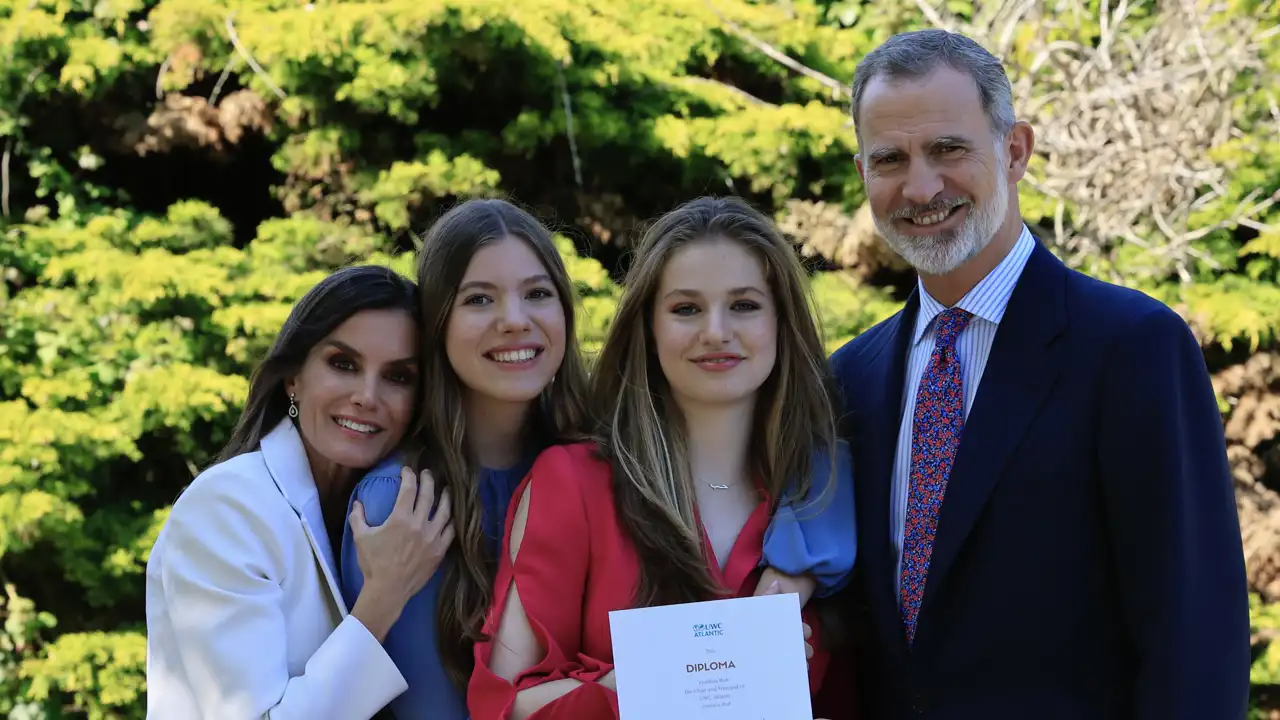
245 618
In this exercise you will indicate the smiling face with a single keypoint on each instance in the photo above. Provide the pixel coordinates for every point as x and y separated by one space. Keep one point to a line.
355 392
938 180
505 337
714 323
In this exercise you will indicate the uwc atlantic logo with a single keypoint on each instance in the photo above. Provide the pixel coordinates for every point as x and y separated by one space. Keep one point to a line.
701 630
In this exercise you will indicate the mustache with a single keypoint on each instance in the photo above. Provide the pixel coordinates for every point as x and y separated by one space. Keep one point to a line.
933 207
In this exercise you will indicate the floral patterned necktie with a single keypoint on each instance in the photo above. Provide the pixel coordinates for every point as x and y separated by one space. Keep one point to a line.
935 434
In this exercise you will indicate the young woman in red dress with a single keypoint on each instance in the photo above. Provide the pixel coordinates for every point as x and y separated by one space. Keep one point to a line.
713 346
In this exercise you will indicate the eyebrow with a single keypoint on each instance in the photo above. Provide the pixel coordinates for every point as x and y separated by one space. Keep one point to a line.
881 153
949 140
486 285
352 351
943 141
744 290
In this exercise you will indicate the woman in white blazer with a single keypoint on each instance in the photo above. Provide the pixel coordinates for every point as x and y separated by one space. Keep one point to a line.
245 616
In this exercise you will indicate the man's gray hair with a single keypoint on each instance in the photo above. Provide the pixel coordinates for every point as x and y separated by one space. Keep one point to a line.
913 55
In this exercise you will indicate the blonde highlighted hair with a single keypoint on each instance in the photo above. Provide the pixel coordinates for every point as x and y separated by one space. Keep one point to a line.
641 432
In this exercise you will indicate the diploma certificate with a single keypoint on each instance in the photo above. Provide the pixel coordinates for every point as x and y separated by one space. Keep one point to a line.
741 658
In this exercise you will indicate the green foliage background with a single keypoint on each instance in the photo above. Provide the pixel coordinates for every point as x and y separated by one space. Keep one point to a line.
164 203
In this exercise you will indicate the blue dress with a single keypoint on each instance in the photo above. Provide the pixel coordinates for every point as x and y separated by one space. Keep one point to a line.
814 535
411 642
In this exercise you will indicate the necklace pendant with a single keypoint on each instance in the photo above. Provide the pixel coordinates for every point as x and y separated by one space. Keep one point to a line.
718 487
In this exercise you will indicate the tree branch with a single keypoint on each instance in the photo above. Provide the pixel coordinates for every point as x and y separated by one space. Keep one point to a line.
226 73
567 104
4 176
736 91
244 53
838 90
9 146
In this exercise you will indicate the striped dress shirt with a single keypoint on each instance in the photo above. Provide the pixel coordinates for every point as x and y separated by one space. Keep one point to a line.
986 301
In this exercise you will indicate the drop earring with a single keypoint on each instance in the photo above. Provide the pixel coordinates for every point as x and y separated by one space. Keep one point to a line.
293 406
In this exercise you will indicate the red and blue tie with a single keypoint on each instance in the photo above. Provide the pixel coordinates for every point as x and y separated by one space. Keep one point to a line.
935 435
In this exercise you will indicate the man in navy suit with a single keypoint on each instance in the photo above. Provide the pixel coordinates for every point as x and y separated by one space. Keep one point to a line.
1046 521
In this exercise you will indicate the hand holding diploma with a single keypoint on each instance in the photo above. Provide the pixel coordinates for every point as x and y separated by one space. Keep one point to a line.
775 588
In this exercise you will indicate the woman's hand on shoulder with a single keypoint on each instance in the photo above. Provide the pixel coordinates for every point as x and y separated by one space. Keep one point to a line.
399 556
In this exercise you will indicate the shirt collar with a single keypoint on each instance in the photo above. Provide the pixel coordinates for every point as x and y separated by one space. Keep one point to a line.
989 298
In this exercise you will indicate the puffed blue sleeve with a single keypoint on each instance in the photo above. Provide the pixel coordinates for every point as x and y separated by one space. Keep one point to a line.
377 491
817 535
411 641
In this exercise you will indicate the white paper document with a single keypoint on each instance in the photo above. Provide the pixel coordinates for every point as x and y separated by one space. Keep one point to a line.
741 658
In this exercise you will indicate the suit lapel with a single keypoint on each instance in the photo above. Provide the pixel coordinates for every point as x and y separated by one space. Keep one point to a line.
1020 371
286 459
883 398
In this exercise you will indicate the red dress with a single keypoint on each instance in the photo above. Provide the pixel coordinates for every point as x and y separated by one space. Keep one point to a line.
575 565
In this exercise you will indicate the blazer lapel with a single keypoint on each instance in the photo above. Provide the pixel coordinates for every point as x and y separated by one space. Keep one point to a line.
286 459
1020 371
878 422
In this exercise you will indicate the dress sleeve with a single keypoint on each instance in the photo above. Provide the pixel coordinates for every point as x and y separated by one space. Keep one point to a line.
550 574
817 535
377 491
410 641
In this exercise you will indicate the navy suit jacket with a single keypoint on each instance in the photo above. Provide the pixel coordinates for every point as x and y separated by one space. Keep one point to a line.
1088 560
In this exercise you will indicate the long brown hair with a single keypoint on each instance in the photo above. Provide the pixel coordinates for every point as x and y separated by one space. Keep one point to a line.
439 439
643 435
321 310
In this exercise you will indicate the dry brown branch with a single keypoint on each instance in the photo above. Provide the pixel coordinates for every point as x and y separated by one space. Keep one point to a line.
1252 391
847 241
1259 509
1264 635
606 217
1126 127
183 121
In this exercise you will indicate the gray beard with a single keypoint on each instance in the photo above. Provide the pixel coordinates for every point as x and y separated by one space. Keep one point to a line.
942 253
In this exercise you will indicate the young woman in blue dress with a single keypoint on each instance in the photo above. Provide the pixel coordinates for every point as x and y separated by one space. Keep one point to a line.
502 380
